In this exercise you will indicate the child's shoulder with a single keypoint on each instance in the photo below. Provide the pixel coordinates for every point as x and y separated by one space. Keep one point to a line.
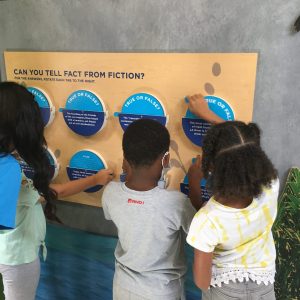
8 159
10 167
272 188
172 195
113 186
173 200
209 210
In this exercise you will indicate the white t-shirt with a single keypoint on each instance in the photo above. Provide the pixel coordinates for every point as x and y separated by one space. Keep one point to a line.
241 239
151 226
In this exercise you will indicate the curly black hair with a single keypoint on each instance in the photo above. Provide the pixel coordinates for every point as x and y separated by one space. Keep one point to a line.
232 154
22 130
144 141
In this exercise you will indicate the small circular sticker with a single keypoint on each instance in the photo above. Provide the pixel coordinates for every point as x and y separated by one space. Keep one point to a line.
196 128
45 104
141 106
84 113
86 163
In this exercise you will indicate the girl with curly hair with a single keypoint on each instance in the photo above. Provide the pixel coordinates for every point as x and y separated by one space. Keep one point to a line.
234 256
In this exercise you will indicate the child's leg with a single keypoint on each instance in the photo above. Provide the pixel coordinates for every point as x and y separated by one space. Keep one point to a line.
240 291
21 281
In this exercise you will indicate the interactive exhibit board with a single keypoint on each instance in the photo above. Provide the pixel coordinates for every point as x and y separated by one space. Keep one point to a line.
29 172
87 100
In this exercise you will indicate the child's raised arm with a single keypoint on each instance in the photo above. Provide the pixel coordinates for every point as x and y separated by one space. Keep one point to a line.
199 107
76 186
195 175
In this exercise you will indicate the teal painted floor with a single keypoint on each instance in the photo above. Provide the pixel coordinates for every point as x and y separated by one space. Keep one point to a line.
80 266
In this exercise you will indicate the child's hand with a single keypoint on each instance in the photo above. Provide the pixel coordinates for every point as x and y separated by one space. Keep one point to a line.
76 186
195 173
199 107
104 176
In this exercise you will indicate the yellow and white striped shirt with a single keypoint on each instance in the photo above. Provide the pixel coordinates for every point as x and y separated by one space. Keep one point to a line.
240 239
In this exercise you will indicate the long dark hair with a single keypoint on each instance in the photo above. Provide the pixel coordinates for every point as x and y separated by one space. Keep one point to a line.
22 130
239 167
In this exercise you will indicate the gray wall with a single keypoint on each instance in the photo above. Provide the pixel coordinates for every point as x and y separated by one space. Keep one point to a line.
175 25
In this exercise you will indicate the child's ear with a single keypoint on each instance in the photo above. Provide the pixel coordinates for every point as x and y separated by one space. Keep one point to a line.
127 169
125 166
166 159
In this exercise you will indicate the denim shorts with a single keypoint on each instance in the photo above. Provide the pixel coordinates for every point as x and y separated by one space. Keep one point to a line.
247 290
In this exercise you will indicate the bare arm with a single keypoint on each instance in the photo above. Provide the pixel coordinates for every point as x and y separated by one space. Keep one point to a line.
76 186
199 107
202 269
195 175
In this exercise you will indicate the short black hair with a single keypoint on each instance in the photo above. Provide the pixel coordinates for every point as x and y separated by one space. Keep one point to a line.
238 165
144 141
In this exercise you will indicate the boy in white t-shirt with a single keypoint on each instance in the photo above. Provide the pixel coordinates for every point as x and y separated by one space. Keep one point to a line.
152 222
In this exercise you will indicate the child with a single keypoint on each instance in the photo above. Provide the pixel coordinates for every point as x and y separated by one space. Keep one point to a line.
151 221
234 247
21 216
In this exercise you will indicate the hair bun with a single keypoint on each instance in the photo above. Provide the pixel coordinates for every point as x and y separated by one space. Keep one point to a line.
254 132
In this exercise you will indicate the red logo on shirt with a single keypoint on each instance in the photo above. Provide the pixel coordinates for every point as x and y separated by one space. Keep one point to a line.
131 201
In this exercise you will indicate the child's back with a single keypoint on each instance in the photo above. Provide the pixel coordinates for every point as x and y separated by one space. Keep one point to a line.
241 239
150 253
234 246
151 221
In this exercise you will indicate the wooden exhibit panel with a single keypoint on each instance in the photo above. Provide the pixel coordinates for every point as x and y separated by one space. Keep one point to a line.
161 80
